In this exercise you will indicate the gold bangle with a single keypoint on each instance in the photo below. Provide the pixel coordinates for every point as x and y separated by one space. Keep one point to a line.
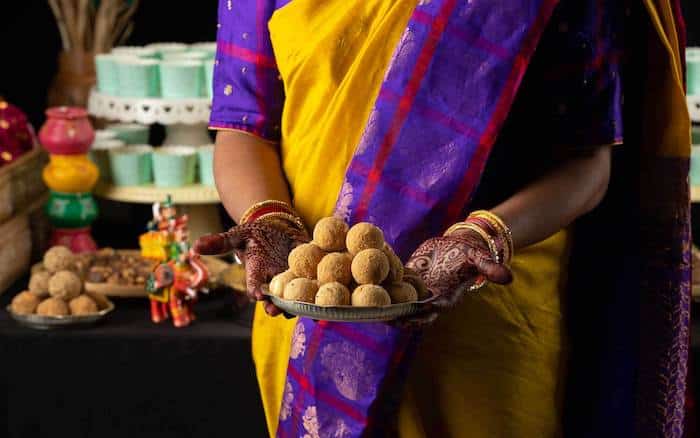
481 232
294 220
498 224
257 206
499 234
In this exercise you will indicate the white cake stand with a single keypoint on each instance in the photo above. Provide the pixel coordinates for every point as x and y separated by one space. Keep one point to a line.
185 120
197 201
694 110
186 124
694 107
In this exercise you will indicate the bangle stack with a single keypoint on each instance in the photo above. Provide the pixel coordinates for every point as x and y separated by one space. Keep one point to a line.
493 230
273 211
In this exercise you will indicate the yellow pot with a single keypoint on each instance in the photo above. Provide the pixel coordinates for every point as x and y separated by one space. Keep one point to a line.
70 173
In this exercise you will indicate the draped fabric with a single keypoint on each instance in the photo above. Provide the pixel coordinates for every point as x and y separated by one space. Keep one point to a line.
451 83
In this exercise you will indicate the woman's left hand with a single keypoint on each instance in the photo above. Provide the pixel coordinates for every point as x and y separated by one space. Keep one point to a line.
449 265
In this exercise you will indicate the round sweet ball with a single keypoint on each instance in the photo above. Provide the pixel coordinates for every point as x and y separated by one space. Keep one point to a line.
24 303
65 285
301 289
304 259
53 307
416 281
329 234
333 294
335 267
39 283
38 267
58 258
279 282
370 295
364 236
82 305
99 299
395 264
370 266
402 292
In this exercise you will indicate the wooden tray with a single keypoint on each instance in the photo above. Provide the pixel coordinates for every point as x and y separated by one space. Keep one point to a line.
216 269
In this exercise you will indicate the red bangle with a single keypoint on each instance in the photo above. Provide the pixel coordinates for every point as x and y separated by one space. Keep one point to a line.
267 209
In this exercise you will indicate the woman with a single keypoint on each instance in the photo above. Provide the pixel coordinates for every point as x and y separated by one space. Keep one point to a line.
412 115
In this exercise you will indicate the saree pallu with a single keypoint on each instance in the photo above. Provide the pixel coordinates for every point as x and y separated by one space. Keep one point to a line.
389 169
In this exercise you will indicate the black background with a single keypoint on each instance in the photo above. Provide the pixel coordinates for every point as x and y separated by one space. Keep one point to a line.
29 41
29 45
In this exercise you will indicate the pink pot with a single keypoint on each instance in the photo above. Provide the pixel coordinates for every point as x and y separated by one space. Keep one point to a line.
67 131
77 240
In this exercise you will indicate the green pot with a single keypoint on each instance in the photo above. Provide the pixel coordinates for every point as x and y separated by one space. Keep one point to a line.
692 63
209 77
206 164
209 47
163 49
130 133
695 166
99 154
107 77
138 77
131 165
71 210
194 55
182 78
135 51
174 166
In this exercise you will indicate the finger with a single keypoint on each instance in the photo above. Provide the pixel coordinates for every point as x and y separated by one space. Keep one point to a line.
493 271
221 243
254 282
271 309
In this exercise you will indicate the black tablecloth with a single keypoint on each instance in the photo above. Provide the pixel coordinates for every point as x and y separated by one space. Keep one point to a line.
128 377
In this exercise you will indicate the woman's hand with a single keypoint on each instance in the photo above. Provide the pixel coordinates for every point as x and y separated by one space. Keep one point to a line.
450 265
262 247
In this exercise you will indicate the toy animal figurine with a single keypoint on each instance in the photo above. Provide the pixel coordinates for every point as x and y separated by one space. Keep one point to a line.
175 283
173 288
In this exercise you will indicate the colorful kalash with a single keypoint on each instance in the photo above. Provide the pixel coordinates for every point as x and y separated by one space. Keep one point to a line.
70 175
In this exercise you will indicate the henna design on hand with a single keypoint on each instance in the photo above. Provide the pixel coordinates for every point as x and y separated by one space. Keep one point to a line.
262 247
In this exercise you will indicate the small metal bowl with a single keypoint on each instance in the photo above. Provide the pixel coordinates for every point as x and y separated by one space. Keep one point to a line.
42 322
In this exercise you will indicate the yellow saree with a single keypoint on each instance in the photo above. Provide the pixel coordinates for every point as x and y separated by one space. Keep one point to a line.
495 363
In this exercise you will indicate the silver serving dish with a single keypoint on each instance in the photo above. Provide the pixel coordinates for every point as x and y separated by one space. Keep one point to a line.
350 313
53 322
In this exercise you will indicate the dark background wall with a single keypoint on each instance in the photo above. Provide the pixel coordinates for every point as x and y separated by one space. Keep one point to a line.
30 43
29 40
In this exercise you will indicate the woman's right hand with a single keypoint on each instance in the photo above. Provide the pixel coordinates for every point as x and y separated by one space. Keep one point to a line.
263 247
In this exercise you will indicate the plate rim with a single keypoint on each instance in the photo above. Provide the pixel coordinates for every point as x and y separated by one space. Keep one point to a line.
59 320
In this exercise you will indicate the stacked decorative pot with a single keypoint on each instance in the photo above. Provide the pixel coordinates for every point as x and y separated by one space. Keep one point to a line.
71 176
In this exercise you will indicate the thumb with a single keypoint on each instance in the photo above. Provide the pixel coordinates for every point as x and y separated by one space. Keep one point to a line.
494 272
221 243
